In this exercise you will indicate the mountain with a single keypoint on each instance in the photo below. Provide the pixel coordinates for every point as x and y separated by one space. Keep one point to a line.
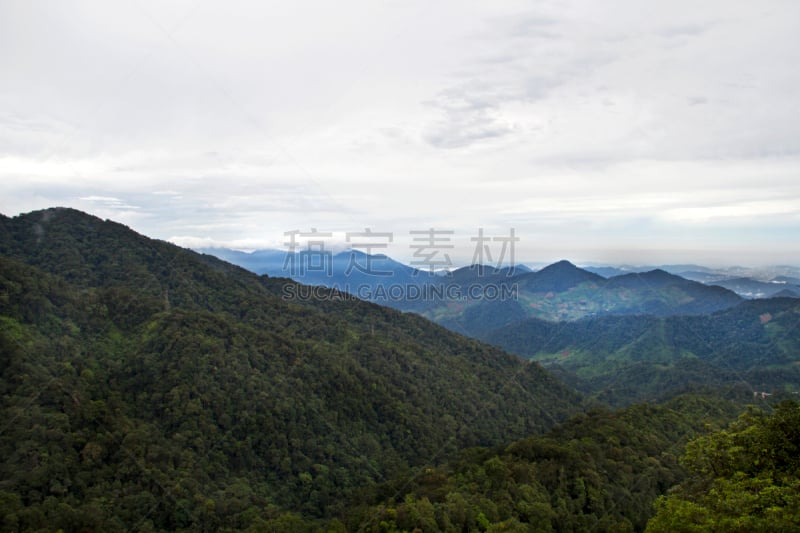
317 267
605 271
476 299
608 271
564 292
787 293
703 276
653 279
375 278
668 294
677 269
750 288
271 262
502 300
148 387
368 276
558 277
622 359
483 274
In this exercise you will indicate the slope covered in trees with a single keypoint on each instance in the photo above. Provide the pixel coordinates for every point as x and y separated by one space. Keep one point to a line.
147 387
744 478
621 359
599 471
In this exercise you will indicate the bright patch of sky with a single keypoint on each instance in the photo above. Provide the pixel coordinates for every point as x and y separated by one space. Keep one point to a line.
622 131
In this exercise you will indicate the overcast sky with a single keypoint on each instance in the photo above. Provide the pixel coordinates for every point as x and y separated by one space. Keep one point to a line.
620 131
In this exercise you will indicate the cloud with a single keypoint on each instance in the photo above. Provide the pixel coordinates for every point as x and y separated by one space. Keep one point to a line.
683 30
108 202
581 122
468 115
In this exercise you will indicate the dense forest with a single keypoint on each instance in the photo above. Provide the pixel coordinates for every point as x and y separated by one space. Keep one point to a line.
146 386
149 388
753 346
745 478
599 471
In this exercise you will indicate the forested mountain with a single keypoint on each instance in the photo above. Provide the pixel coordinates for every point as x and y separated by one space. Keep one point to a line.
564 292
600 471
147 387
620 359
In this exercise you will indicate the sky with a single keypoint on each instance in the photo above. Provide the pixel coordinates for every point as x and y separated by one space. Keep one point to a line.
640 132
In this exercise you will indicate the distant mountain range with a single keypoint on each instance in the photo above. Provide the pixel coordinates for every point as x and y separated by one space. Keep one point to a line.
353 269
751 288
767 282
477 299
633 335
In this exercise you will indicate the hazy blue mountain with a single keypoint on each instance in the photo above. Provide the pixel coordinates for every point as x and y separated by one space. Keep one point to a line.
751 288
787 293
269 262
476 299
605 271
371 277
688 297
563 291
703 276
558 277
677 269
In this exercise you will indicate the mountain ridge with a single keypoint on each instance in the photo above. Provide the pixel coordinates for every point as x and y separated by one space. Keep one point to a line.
185 377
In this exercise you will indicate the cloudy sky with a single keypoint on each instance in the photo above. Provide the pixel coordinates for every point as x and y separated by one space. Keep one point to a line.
619 131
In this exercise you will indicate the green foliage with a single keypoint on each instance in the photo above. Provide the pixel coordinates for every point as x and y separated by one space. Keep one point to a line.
599 471
744 478
624 359
146 387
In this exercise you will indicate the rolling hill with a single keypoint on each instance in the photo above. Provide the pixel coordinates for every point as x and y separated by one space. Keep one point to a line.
754 346
145 386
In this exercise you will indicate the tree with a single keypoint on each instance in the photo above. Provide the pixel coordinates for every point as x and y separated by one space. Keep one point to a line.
744 478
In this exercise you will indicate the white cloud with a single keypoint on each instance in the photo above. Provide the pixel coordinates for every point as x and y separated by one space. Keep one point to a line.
581 123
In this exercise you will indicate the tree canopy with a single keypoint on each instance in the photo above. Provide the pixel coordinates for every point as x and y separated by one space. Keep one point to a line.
744 478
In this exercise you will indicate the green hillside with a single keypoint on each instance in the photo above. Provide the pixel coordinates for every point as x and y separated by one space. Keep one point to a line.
754 346
745 478
146 387
600 471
